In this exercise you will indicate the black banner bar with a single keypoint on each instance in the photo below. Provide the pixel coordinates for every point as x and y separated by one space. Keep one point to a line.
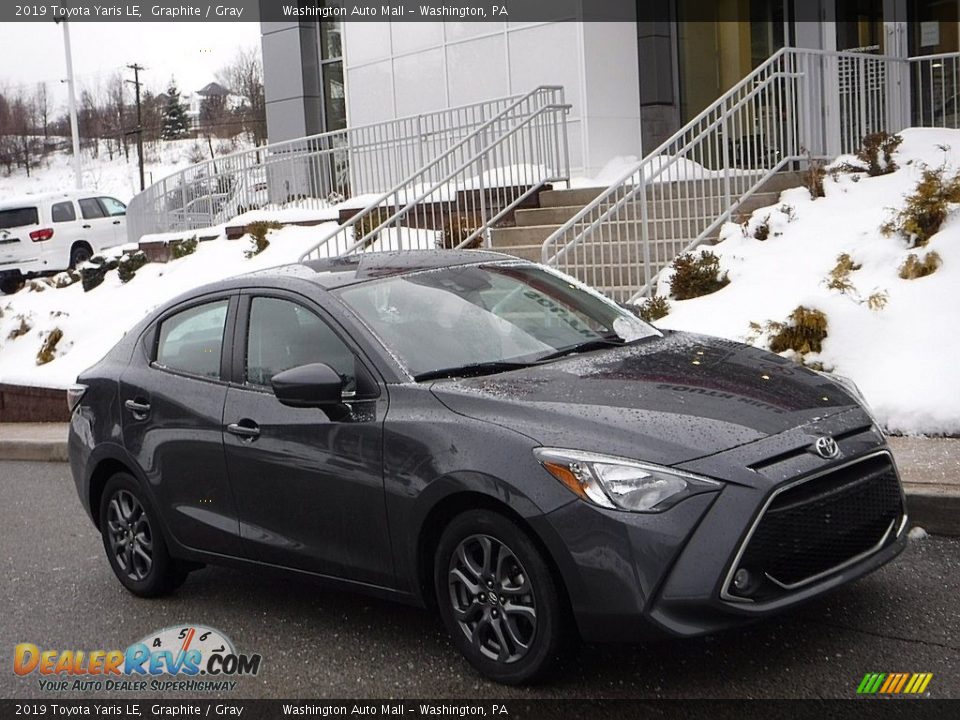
914 709
307 11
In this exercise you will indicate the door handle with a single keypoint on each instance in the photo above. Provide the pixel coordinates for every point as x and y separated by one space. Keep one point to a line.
245 430
116 222
137 408
86 227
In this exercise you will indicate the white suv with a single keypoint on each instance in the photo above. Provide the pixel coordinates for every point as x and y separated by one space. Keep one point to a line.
48 233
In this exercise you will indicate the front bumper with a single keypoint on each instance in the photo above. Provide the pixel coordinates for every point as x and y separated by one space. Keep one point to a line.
633 577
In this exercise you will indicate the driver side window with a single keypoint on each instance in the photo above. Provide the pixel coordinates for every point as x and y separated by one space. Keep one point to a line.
283 335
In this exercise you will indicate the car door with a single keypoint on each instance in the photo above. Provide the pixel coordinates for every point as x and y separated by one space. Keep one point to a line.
66 229
117 212
96 227
308 482
172 397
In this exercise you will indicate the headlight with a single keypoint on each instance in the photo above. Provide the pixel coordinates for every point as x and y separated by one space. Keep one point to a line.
620 483
851 387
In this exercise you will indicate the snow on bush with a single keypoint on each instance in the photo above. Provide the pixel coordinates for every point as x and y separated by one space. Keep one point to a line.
896 338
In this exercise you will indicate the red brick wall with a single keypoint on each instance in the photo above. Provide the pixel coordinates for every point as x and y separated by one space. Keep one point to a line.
28 404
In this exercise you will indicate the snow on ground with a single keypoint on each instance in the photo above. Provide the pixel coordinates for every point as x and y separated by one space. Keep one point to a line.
903 356
118 177
94 321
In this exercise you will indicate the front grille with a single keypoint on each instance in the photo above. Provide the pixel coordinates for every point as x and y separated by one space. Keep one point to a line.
819 525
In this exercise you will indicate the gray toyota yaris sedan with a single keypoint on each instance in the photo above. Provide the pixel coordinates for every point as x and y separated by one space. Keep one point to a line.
485 436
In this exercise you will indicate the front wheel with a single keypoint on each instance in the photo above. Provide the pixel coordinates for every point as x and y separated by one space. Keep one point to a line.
498 598
134 542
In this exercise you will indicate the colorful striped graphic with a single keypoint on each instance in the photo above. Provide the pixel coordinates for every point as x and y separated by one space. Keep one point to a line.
894 683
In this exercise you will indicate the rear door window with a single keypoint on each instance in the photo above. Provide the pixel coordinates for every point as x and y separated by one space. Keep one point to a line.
91 209
63 212
192 340
18 217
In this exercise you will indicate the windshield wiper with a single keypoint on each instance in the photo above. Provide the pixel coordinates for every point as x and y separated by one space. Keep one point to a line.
484 368
598 344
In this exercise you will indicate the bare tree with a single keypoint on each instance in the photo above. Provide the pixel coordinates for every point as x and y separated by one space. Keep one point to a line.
244 77
116 109
23 116
44 108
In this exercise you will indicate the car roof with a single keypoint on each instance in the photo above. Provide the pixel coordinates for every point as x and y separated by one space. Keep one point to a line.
19 201
336 272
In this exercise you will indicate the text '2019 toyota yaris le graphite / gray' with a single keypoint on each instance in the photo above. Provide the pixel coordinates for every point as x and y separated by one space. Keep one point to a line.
485 436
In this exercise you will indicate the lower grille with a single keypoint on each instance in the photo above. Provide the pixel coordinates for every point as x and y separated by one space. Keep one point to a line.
817 526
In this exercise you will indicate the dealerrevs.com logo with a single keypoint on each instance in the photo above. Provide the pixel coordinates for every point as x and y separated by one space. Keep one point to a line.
179 658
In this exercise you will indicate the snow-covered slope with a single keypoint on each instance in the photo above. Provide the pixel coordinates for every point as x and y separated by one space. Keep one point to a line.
903 355
117 177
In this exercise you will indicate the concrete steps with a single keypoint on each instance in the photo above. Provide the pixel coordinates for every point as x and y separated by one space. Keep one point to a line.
618 241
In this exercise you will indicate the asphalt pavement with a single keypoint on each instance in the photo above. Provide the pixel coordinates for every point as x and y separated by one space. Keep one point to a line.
59 593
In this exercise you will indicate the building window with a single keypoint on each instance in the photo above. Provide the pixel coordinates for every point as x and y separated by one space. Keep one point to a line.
331 71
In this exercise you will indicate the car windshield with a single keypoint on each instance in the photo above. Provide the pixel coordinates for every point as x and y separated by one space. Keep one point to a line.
475 319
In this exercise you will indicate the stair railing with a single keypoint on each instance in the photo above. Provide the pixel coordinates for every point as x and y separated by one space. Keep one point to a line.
312 172
454 200
797 105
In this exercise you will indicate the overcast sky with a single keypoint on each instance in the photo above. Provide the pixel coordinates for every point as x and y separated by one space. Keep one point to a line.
190 51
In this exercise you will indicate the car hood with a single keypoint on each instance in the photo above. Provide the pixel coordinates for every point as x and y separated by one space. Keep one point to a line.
666 400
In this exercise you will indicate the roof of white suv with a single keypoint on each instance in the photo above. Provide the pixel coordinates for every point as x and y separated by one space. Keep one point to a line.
28 200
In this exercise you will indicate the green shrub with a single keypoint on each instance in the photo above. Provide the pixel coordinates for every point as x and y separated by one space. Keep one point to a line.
840 275
654 308
803 332
258 232
914 267
926 208
22 329
94 271
696 276
813 177
366 224
458 228
762 230
66 279
876 145
182 248
48 351
129 264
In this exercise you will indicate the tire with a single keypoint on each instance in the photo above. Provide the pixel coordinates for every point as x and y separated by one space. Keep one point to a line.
134 542
79 255
11 283
498 598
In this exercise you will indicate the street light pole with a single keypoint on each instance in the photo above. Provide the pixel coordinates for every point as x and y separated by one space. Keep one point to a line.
72 105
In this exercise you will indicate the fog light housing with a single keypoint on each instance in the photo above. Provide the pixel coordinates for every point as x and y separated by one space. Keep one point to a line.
741 580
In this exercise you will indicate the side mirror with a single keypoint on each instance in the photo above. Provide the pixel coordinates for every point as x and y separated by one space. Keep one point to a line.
306 386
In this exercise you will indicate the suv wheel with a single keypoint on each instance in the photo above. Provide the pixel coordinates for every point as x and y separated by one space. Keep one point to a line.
134 542
79 255
498 598
11 283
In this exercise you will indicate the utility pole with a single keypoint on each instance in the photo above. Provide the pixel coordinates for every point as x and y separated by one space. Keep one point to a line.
72 105
139 131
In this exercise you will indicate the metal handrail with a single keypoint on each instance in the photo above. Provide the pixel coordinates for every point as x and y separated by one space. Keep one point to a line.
679 194
310 172
435 196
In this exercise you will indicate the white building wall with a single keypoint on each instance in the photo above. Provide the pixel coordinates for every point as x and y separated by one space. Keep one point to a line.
399 69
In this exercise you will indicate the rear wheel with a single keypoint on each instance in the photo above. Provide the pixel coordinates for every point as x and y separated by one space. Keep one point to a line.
134 542
498 598
79 255
11 283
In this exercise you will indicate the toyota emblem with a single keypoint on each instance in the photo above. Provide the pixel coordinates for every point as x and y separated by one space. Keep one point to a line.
826 447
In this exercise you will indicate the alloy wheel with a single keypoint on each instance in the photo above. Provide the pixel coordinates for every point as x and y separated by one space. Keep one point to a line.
130 535
492 598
